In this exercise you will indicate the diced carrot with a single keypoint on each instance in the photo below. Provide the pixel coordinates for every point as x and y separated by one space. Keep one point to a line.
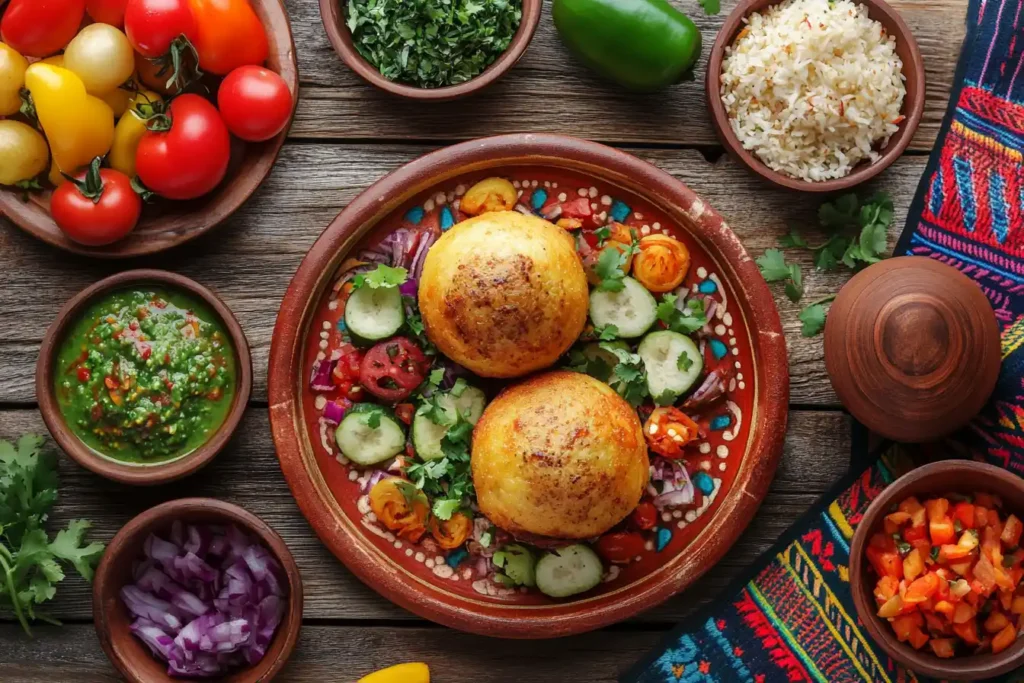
922 589
964 513
918 638
941 531
980 515
915 533
891 608
886 587
913 565
943 647
995 622
984 575
1017 606
898 518
951 553
963 613
1004 639
937 509
945 607
968 631
1011 531
885 563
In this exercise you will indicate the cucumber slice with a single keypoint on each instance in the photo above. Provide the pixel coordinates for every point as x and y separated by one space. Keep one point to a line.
374 314
602 361
568 571
632 310
517 565
669 375
427 434
366 445
469 403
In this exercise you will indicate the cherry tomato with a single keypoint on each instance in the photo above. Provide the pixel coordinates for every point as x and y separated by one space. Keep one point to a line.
392 369
98 208
405 412
83 374
347 367
190 157
40 28
255 102
621 547
645 516
107 11
154 25
668 430
228 35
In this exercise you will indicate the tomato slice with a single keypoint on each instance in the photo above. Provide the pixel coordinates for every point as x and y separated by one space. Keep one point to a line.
392 369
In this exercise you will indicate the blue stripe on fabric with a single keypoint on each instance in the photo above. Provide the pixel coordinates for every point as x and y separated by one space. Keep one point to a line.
966 259
987 128
997 201
727 649
965 186
836 534
937 197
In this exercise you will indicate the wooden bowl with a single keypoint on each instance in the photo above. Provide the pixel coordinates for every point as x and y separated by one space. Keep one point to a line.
912 348
913 102
167 223
333 18
959 476
130 473
127 653
737 461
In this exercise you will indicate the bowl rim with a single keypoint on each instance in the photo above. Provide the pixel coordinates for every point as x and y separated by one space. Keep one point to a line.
35 219
914 110
332 17
158 515
139 475
286 380
959 668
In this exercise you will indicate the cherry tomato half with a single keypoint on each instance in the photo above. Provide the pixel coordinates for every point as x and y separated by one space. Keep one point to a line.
645 516
255 102
392 369
40 28
97 208
621 547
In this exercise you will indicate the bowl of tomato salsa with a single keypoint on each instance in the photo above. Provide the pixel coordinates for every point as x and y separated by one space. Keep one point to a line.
143 377
937 571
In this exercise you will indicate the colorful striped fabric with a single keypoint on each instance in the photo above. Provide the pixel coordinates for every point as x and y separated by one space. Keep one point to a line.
792 618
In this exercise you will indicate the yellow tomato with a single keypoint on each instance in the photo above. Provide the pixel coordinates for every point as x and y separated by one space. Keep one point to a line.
130 129
402 673
12 79
662 263
490 194
118 100
56 60
23 152
101 56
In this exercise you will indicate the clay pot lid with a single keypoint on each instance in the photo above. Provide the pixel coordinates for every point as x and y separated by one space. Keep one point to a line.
912 348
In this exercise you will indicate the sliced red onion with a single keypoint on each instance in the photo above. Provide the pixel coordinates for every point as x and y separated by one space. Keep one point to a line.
194 567
416 267
142 604
161 644
676 487
333 412
553 212
374 479
409 287
177 533
322 376
351 274
711 390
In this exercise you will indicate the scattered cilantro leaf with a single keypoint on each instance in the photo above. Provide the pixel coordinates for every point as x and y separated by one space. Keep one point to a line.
628 377
447 481
793 239
446 507
602 234
813 317
607 333
685 320
773 265
373 418
609 271
711 6
684 362
486 538
383 276
795 286
433 410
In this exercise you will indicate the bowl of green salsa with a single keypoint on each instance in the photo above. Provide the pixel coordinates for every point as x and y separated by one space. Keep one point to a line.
144 376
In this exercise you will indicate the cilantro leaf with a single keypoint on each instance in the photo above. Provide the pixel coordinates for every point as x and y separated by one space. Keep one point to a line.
813 318
383 276
685 320
373 418
602 234
793 239
773 265
795 286
840 214
609 271
607 333
445 508
684 362
711 6
459 387
629 377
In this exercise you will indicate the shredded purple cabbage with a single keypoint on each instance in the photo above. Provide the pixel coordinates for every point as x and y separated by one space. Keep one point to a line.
208 602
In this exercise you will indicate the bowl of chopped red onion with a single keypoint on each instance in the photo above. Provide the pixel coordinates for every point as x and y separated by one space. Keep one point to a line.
197 588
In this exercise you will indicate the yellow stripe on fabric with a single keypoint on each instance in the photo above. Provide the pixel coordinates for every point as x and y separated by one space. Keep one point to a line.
1013 338
986 141
851 623
840 519
786 633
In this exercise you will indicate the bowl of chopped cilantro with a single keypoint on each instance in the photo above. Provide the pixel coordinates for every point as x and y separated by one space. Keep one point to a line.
430 49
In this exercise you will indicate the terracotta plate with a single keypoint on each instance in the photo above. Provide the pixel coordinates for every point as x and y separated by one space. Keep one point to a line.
166 224
733 466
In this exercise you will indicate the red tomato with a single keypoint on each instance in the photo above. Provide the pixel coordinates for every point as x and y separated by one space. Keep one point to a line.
40 28
97 208
229 35
405 412
107 11
255 102
153 25
621 547
83 374
392 369
645 516
348 366
188 159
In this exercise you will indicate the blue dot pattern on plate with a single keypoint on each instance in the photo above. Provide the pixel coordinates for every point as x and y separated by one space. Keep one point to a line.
720 422
455 557
341 325
415 215
702 480
620 211
447 219
663 537
537 200
707 287
718 349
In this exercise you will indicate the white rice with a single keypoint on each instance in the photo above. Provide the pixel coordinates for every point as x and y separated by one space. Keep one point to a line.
813 87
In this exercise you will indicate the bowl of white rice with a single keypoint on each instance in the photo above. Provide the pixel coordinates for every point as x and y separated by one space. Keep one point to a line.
815 95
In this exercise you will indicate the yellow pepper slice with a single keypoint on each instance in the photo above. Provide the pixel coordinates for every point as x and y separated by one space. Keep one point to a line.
402 673
12 79
78 126
130 129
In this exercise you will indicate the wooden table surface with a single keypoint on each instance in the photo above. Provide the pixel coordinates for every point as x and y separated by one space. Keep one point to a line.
345 136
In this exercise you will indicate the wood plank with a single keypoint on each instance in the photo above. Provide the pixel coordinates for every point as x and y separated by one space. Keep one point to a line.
72 654
247 473
336 104
250 260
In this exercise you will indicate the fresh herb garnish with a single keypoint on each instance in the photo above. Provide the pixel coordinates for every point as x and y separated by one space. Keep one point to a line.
30 564
602 234
684 362
433 410
381 277
487 537
629 378
594 365
432 43
459 387
373 418
711 6
607 333
448 481
687 320
610 267
935 553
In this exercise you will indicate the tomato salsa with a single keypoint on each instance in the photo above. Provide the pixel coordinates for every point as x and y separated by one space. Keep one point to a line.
146 375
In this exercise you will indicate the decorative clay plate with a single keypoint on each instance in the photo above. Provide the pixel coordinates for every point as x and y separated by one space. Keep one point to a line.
731 466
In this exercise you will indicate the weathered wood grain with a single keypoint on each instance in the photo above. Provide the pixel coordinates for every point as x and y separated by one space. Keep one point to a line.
342 654
250 260
247 473
548 91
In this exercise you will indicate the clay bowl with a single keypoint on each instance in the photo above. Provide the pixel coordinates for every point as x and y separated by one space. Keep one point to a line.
165 223
736 462
129 473
912 348
957 476
913 103
128 654
333 17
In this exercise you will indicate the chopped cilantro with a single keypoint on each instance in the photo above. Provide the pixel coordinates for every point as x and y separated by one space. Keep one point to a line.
628 378
459 387
373 418
610 267
684 362
607 333
382 276
602 234
686 321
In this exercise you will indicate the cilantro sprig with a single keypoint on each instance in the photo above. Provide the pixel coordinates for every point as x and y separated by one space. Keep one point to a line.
382 276
857 235
610 268
684 320
31 563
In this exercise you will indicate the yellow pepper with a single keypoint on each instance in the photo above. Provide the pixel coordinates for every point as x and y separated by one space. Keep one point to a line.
130 130
402 673
118 98
12 79
78 126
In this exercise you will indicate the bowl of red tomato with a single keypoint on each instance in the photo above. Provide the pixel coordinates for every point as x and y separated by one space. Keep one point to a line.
131 126
937 571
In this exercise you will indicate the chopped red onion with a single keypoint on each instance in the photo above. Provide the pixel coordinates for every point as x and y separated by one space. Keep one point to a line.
416 268
710 390
409 288
676 487
322 376
333 412
374 479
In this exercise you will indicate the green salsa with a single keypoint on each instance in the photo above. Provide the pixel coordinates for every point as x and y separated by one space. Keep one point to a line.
146 375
